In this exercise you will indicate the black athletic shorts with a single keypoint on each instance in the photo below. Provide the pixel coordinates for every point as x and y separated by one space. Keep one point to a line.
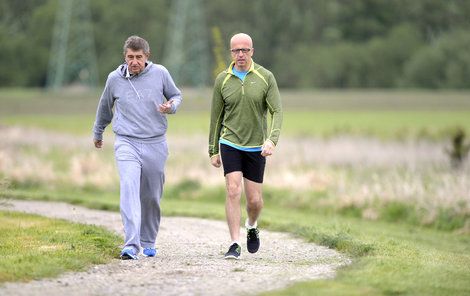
251 164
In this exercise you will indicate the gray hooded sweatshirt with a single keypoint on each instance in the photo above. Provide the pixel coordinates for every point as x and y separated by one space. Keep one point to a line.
136 99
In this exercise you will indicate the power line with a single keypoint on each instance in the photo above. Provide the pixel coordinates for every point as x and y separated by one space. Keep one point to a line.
187 54
72 56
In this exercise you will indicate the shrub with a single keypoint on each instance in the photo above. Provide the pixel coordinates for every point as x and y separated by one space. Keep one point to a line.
445 64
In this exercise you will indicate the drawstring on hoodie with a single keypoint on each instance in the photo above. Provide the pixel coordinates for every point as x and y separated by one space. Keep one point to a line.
128 79
128 76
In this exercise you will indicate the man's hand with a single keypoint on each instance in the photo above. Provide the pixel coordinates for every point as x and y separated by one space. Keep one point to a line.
98 143
215 161
165 107
268 148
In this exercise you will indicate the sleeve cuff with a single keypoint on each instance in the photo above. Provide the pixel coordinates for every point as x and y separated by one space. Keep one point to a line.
98 137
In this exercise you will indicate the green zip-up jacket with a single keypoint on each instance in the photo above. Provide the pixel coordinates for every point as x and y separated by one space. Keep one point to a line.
239 109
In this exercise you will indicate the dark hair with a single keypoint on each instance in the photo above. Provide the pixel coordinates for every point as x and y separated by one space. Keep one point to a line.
136 43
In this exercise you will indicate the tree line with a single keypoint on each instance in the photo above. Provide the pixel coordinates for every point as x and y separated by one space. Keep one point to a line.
306 43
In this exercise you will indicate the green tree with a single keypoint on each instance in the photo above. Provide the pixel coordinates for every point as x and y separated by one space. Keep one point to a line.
322 43
445 64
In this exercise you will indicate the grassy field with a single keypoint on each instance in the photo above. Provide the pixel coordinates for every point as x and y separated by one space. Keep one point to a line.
381 124
34 247
391 114
366 173
38 101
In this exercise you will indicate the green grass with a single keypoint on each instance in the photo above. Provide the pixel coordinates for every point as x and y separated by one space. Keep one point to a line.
108 200
39 101
381 124
386 114
399 260
34 247
388 258
79 124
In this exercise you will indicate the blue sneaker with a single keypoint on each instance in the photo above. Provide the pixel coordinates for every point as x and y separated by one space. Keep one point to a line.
150 252
128 253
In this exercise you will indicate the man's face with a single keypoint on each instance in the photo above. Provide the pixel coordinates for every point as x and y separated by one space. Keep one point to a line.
241 51
135 60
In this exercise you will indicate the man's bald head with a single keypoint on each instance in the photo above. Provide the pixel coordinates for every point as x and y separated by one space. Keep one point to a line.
241 38
241 48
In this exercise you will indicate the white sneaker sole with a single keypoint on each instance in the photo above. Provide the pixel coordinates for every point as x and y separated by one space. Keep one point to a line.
232 257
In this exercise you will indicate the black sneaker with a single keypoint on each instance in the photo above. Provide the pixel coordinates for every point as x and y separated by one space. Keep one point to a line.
233 252
252 240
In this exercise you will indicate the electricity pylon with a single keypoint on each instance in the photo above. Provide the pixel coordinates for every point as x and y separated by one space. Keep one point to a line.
187 52
218 50
72 56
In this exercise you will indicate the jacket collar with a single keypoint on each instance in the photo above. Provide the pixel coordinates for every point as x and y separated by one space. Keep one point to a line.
230 68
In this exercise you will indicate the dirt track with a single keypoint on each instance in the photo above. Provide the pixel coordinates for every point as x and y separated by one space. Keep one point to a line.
189 260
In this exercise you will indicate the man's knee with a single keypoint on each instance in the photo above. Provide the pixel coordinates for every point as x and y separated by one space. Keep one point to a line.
255 201
234 190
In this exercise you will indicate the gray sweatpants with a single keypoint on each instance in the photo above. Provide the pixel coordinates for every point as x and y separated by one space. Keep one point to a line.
141 165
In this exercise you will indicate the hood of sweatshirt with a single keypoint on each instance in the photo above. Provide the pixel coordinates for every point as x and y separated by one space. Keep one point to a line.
124 71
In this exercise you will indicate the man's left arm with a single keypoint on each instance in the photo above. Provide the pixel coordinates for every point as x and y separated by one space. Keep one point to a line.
273 100
171 93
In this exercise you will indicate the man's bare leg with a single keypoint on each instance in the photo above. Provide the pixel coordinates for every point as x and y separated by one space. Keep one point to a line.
233 184
254 205
254 200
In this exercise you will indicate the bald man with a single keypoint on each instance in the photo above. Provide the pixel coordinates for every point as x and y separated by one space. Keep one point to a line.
239 138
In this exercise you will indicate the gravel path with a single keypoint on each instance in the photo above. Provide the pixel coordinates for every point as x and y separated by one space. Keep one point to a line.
189 261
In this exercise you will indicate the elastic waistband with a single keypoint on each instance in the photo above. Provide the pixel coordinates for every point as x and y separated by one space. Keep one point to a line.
242 148
157 139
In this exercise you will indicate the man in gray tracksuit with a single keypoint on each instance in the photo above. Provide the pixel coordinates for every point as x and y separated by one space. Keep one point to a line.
141 93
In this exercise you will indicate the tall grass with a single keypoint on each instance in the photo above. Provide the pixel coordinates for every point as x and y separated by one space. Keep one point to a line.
370 154
411 182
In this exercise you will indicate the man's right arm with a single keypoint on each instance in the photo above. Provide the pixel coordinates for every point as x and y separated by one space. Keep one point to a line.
217 115
104 115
